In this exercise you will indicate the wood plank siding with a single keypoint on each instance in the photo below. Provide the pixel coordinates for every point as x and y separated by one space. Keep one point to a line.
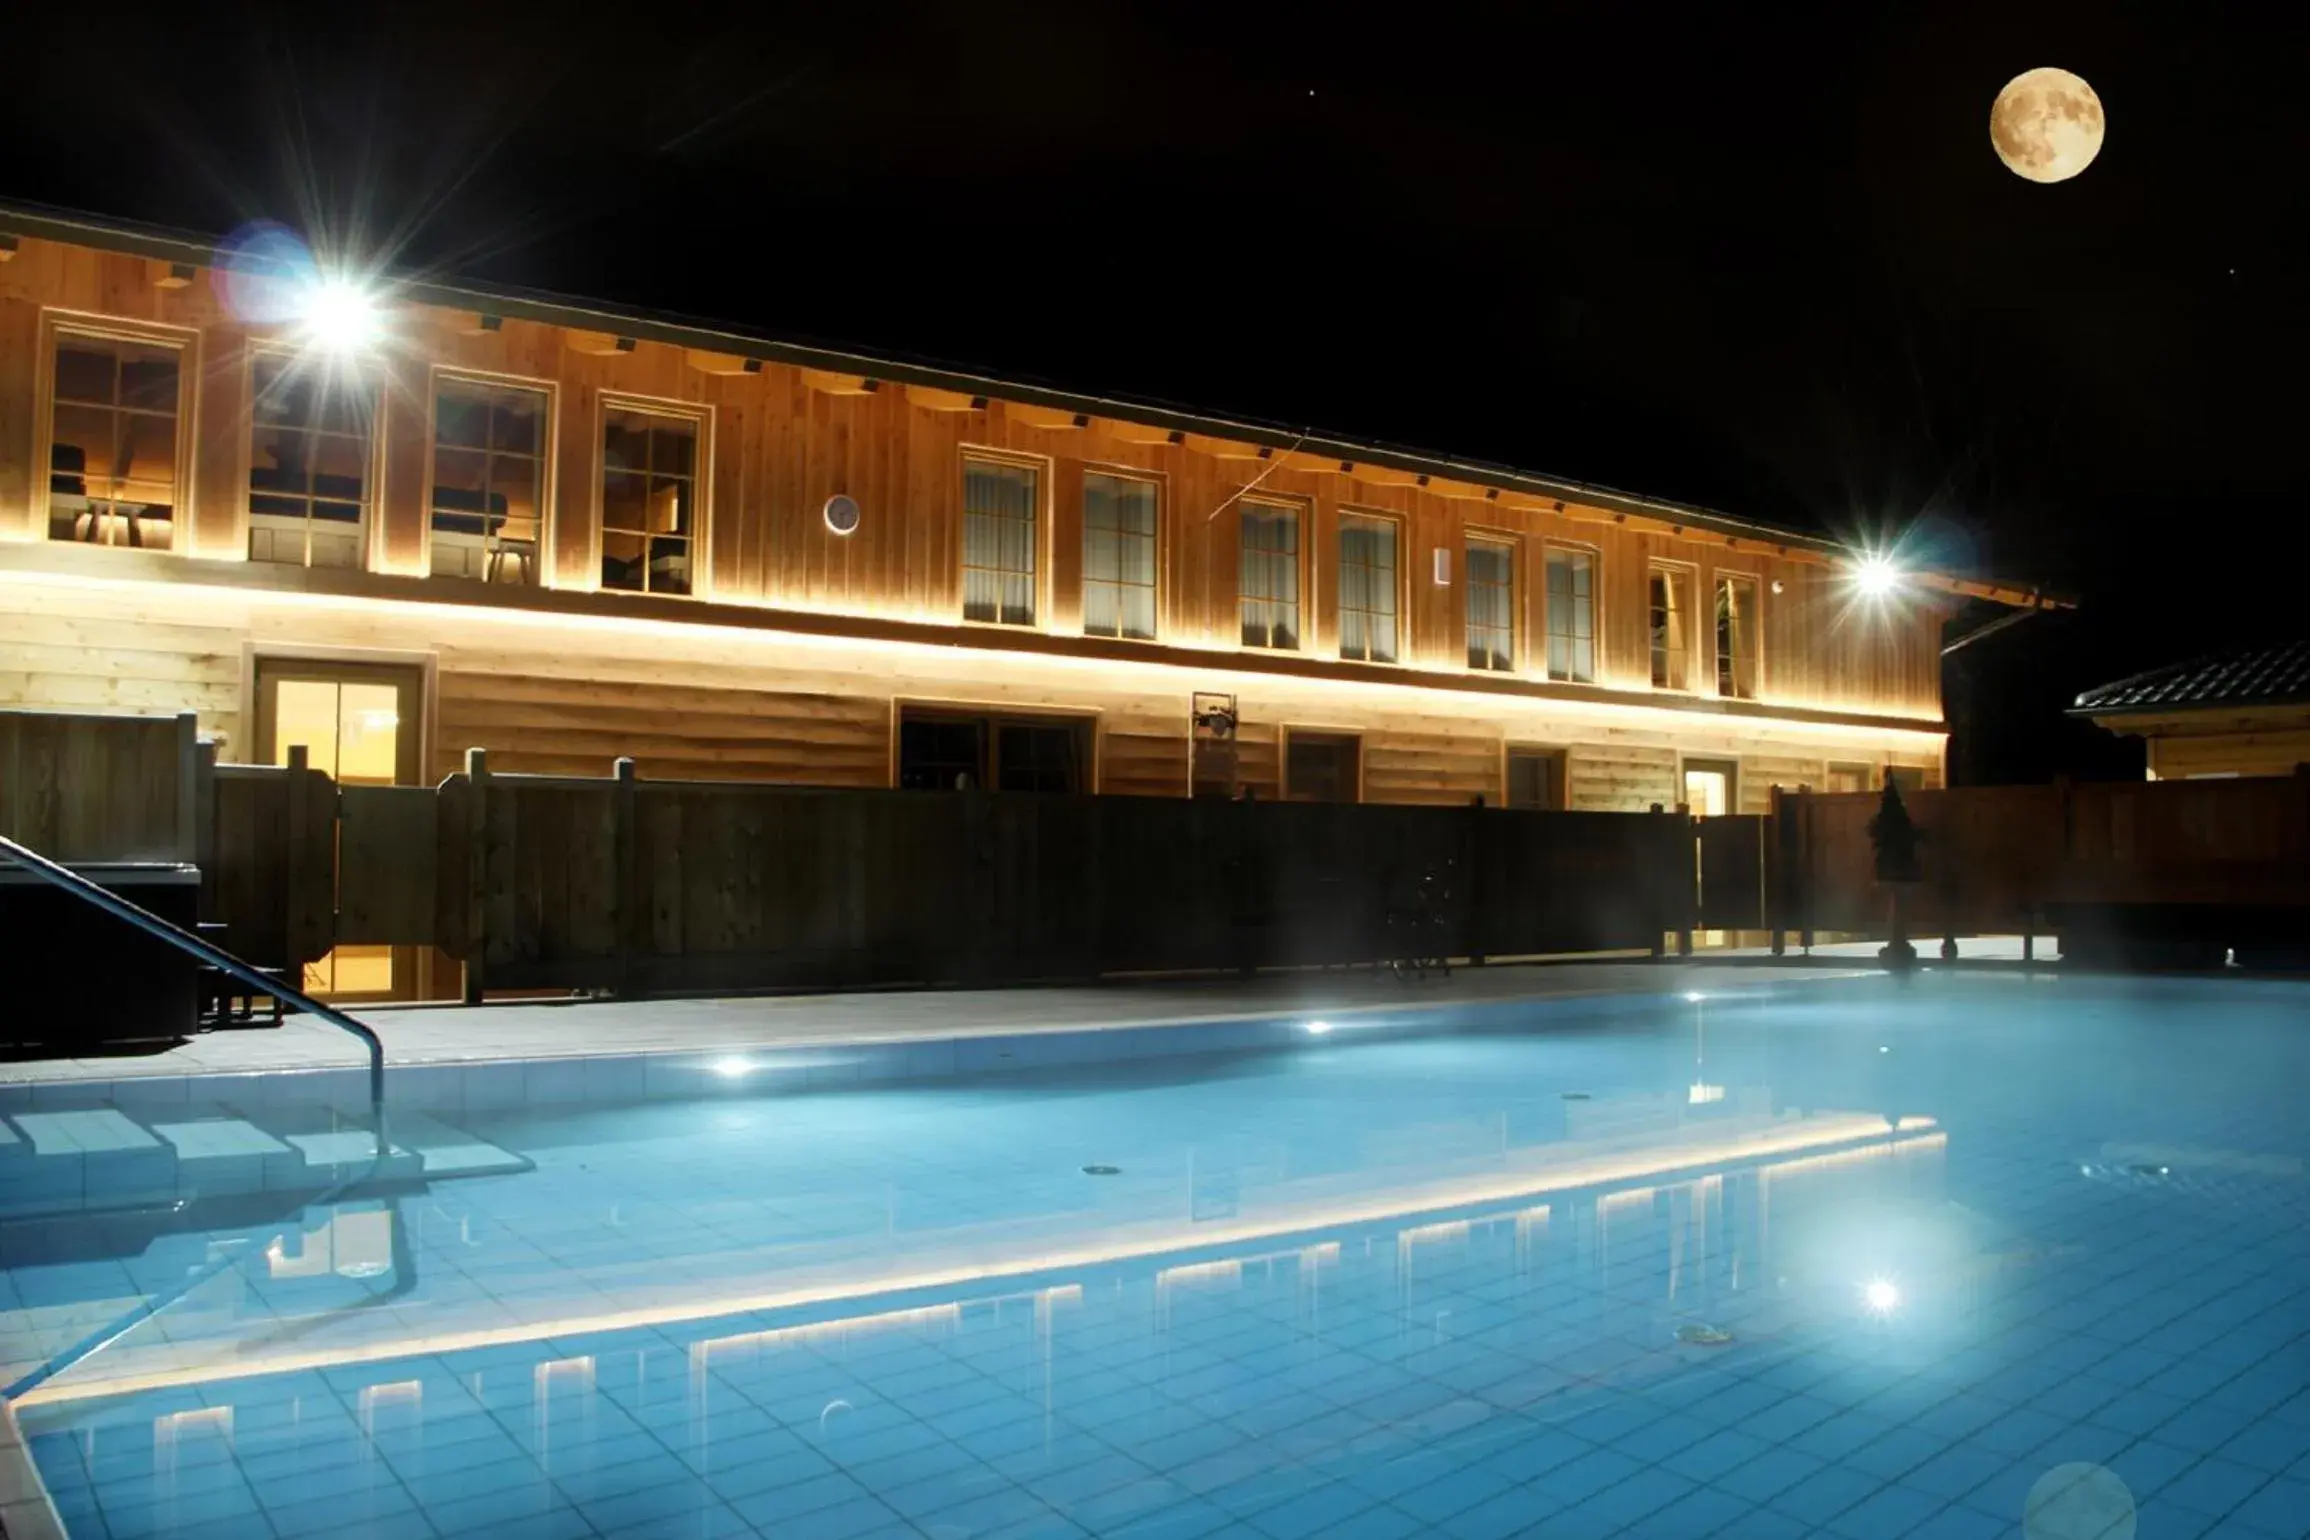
799 646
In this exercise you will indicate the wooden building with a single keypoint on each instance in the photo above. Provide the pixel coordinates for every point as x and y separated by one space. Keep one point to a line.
2239 713
565 534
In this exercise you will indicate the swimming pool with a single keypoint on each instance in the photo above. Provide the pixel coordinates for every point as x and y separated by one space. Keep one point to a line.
1842 1258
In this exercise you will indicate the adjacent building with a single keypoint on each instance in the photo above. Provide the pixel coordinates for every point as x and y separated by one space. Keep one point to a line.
566 534
2241 712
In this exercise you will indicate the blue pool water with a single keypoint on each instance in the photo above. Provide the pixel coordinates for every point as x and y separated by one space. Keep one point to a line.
1973 1257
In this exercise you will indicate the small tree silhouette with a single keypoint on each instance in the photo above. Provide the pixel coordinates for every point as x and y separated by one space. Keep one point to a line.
1893 834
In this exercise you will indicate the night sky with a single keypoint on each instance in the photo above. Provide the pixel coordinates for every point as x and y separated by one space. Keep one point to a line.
1763 262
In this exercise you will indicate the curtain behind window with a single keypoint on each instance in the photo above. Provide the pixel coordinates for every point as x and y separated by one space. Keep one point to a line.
999 542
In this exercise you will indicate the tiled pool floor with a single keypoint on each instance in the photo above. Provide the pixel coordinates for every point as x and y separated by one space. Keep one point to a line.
1847 1260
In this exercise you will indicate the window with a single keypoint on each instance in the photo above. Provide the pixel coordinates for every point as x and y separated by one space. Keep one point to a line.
114 469
1491 605
1270 576
1671 605
488 480
1367 588
649 499
1118 557
1536 779
1571 615
1320 767
999 542
955 751
1736 636
308 463
1848 777
1711 787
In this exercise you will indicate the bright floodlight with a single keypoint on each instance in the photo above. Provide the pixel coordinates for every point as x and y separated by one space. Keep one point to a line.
1693 997
1317 1028
1876 576
1881 1296
341 315
732 1068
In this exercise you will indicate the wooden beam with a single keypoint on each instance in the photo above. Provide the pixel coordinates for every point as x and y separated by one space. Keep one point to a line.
173 275
936 400
1224 448
1302 460
1136 432
599 344
1043 416
715 363
1443 486
1386 476
839 384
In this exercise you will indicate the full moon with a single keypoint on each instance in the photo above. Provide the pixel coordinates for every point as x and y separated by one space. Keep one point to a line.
2046 125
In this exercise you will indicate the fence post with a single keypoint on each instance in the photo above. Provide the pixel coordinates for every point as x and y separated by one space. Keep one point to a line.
1473 902
311 922
188 787
477 876
1689 907
624 870
1772 863
1804 841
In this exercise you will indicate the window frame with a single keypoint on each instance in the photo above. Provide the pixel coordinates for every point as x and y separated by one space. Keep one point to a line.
549 481
1688 573
56 323
1401 615
1045 489
1755 584
1476 535
373 472
1595 555
1349 735
1156 586
1559 754
992 715
606 401
1302 516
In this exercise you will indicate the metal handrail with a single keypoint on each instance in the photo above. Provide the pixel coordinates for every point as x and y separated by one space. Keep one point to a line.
216 957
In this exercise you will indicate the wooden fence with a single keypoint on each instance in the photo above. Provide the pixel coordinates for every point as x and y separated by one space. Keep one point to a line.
553 882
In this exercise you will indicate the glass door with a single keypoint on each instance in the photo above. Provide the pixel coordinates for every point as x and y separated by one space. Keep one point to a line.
359 724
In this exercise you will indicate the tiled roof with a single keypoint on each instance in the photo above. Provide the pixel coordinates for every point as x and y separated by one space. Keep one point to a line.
2271 675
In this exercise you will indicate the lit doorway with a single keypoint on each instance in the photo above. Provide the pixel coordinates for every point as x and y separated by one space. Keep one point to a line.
359 724
1709 787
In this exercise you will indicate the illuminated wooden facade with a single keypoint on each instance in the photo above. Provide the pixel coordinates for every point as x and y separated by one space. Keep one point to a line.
475 571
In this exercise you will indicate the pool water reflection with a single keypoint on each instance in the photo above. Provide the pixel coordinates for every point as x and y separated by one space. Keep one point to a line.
1929 1262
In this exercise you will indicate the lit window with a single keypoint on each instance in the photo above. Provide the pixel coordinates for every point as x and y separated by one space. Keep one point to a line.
998 562
308 463
1491 605
113 470
1118 557
649 500
488 480
1571 615
1270 592
1367 589
1671 625
1736 636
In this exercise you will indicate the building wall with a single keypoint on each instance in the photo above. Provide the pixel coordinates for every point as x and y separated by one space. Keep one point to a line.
554 679
2269 741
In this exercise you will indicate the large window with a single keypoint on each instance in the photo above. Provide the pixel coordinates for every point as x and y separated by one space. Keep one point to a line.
1491 605
1670 589
488 480
1736 636
650 499
1118 556
1367 588
1270 576
1571 614
114 476
960 751
309 453
999 512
